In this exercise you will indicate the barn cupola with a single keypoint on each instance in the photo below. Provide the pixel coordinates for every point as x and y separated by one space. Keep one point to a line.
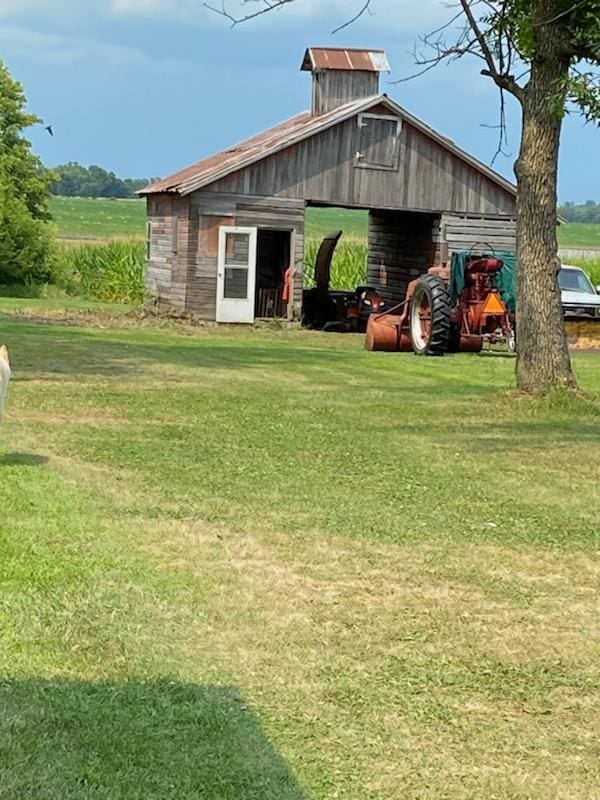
341 75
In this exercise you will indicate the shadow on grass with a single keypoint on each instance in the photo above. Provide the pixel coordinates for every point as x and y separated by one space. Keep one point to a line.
525 435
44 353
141 741
22 460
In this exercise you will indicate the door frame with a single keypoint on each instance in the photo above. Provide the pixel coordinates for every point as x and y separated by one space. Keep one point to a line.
236 310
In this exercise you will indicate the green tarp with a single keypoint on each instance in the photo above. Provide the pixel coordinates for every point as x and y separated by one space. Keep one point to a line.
505 280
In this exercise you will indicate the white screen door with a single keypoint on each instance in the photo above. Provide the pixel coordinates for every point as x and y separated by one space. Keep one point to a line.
236 274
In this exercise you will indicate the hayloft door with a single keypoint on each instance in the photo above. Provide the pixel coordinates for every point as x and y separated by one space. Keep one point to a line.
236 277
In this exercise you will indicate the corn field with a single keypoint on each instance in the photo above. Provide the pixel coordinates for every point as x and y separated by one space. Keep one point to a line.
592 267
110 271
113 271
349 267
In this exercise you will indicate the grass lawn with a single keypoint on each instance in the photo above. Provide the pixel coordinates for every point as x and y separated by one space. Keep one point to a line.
321 221
243 564
60 304
579 234
98 218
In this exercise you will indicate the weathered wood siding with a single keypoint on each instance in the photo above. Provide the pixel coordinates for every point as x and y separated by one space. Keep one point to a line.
166 268
462 232
210 211
323 169
333 88
402 245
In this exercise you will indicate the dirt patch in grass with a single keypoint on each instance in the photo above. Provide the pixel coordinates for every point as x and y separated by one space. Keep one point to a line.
584 335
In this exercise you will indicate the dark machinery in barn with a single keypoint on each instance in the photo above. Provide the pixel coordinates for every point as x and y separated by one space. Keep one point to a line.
338 310
451 309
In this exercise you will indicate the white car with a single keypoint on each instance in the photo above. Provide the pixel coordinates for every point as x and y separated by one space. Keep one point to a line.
578 296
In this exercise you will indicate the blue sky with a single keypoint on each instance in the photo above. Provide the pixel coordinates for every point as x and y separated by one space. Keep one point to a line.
145 87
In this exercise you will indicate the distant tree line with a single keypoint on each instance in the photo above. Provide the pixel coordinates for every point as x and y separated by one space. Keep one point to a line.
75 180
584 212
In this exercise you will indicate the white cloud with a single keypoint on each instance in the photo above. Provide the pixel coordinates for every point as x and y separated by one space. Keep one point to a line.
397 15
46 48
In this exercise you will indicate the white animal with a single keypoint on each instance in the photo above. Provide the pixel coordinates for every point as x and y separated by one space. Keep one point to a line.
4 376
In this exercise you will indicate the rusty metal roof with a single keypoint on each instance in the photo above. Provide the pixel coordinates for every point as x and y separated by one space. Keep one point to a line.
255 149
344 58
295 130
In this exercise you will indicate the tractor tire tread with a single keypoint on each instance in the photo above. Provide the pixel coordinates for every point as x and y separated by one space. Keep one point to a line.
441 312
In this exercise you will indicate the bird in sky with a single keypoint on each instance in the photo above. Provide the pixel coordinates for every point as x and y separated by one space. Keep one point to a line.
49 129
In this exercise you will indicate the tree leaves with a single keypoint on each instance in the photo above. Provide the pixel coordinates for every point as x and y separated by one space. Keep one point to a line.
25 236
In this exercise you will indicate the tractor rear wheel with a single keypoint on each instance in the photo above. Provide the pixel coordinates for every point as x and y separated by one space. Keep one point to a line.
430 316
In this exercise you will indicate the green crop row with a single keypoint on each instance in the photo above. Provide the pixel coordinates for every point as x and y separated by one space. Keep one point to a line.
110 271
113 271
592 267
348 269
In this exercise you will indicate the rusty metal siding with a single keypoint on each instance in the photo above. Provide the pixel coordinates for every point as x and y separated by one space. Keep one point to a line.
322 169
334 88
402 246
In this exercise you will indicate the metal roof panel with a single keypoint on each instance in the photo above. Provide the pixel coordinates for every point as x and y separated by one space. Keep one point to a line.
345 58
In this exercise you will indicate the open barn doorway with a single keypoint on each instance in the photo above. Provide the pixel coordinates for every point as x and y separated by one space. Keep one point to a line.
272 260
402 245
365 263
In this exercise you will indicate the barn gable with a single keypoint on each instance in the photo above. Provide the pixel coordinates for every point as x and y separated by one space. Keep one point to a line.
338 158
376 158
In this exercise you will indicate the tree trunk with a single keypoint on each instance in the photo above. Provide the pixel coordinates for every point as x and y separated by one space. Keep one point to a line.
543 361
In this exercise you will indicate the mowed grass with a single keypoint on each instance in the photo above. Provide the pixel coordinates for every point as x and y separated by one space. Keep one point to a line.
321 221
579 234
98 218
253 564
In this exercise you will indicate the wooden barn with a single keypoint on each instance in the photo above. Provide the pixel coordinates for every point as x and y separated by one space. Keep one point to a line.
223 232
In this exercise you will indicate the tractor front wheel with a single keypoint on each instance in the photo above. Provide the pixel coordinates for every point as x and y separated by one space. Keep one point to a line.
430 316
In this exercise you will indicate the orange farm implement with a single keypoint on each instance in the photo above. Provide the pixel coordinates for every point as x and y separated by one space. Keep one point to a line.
447 310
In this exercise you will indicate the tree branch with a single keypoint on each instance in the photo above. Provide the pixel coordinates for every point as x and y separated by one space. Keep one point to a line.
272 5
358 15
269 5
562 14
502 79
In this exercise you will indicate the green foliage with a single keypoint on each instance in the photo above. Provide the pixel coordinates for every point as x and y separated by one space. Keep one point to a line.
584 212
583 91
592 267
26 254
111 271
349 267
520 25
75 180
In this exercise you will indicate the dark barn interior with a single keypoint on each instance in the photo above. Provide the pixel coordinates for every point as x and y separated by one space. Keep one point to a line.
402 245
272 260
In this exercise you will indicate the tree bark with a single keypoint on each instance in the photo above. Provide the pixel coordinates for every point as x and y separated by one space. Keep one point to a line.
543 361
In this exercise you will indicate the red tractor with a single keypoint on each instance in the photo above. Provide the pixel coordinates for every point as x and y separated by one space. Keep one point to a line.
447 310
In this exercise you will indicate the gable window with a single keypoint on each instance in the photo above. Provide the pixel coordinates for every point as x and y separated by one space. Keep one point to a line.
379 141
